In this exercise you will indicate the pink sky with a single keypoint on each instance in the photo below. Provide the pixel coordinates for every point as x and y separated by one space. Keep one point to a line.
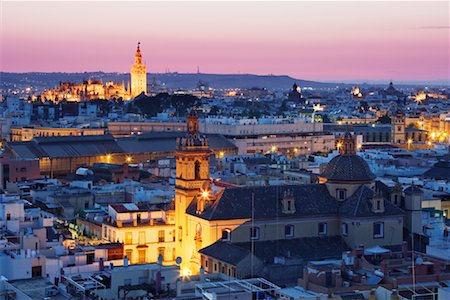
308 40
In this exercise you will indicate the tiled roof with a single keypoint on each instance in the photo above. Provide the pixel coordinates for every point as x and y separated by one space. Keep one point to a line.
440 171
348 168
309 248
359 205
236 203
95 145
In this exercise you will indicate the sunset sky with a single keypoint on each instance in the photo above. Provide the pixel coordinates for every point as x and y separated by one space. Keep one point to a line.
307 40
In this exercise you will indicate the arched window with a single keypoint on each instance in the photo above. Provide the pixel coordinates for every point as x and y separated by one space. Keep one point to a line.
226 235
197 169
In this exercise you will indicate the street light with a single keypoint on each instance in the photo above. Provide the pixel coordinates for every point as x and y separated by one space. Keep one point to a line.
409 144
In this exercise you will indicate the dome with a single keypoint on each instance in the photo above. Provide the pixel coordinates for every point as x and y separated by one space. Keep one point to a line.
348 168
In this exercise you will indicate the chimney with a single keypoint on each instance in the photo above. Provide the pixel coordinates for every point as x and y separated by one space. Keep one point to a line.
202 274
405 249
101 264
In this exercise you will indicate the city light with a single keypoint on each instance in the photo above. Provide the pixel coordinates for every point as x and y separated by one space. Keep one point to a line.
129 159
186 272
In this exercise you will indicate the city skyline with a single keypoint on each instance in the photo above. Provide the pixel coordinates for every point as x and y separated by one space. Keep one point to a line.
323 41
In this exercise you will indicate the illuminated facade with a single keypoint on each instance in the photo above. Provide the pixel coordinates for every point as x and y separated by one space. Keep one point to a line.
145 234
23 134
138 75
398 128
88 90
192 175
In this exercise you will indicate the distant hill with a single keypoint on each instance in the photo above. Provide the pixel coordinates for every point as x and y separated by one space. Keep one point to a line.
172 80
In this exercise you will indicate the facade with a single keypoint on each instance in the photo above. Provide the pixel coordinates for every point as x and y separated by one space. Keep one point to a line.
192 177
294 136
138 75
88 90
23 134
146 234
17 170
342 212
127 128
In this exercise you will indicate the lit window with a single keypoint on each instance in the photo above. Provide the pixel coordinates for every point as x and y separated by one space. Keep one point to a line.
378 230
322 228
344 229
289 230
254 233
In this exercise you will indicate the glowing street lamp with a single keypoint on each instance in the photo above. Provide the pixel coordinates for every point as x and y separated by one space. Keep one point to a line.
409 144
129 159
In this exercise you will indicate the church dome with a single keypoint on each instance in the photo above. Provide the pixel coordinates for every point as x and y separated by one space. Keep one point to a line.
348 168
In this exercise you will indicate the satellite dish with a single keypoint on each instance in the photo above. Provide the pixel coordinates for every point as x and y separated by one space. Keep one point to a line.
178 260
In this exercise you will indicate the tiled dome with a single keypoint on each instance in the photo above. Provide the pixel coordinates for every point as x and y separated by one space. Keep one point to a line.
348 168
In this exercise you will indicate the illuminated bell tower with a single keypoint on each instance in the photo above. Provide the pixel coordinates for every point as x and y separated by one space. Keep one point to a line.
138 74
192 172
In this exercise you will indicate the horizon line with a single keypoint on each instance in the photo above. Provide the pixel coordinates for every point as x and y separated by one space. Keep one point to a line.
347 81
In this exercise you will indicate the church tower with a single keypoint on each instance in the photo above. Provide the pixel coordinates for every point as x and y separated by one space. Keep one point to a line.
398 127
192 174
138 74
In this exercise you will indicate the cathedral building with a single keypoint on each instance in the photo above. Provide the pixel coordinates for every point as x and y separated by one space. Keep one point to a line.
138 75
85 91
224 229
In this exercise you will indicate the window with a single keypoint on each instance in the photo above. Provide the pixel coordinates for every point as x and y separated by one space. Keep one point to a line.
142 238
378 230
344 229
289 230
161 251
289 205
141 256
142 280
226 235
396 199
128 237
138 218
8 216
322 228
105 232
127 281
129 254
161 237
341 194
254 233
378 204
197 170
